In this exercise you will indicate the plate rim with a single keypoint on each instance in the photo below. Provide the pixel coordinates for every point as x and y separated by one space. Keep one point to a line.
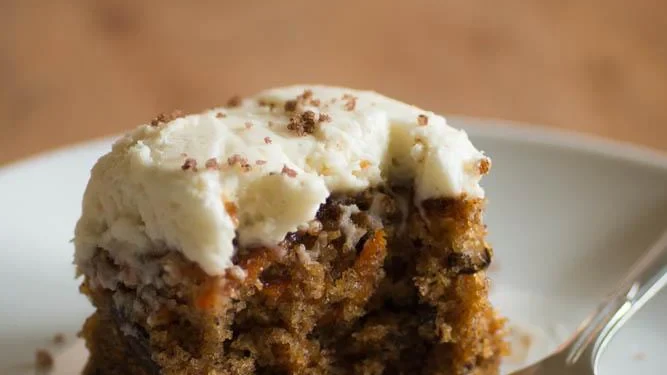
587 143
564 138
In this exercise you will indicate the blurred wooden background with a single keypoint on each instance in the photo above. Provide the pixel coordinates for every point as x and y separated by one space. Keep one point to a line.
71 70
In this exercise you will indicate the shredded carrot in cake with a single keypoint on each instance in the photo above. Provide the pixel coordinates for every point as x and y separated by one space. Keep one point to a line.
209 296
374 252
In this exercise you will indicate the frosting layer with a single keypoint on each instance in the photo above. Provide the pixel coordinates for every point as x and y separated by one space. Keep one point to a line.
257 169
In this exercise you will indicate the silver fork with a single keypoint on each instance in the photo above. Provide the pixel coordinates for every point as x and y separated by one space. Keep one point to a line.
581 353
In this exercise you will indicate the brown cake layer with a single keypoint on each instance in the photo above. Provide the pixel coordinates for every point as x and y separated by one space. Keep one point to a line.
373 286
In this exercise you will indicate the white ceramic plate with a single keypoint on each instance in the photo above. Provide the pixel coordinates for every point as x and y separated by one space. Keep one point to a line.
567 216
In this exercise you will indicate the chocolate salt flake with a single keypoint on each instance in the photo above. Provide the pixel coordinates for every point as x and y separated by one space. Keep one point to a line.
220 115
43 360
351 105
303 123
234 101
422 120
291 105
324 117
260 162
306 98
288 172
236 159
350 102
248 125
267 140
265 103
164 118
239 160
189 164
212 164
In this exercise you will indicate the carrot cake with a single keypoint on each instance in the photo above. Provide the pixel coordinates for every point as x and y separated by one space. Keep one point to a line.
305 230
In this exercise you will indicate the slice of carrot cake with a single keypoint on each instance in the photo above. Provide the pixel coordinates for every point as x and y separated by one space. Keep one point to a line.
305 230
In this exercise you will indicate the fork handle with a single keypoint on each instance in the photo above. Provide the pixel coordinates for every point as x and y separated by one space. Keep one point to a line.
644 280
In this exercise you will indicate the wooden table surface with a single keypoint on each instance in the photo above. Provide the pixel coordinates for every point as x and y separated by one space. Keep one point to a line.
71 70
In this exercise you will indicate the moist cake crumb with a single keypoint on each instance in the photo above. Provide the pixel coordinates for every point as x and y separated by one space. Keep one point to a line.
343 291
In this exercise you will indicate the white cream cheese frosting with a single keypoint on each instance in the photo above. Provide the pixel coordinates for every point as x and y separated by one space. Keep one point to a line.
258 169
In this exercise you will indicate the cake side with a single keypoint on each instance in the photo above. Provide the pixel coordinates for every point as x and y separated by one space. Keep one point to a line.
365 289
